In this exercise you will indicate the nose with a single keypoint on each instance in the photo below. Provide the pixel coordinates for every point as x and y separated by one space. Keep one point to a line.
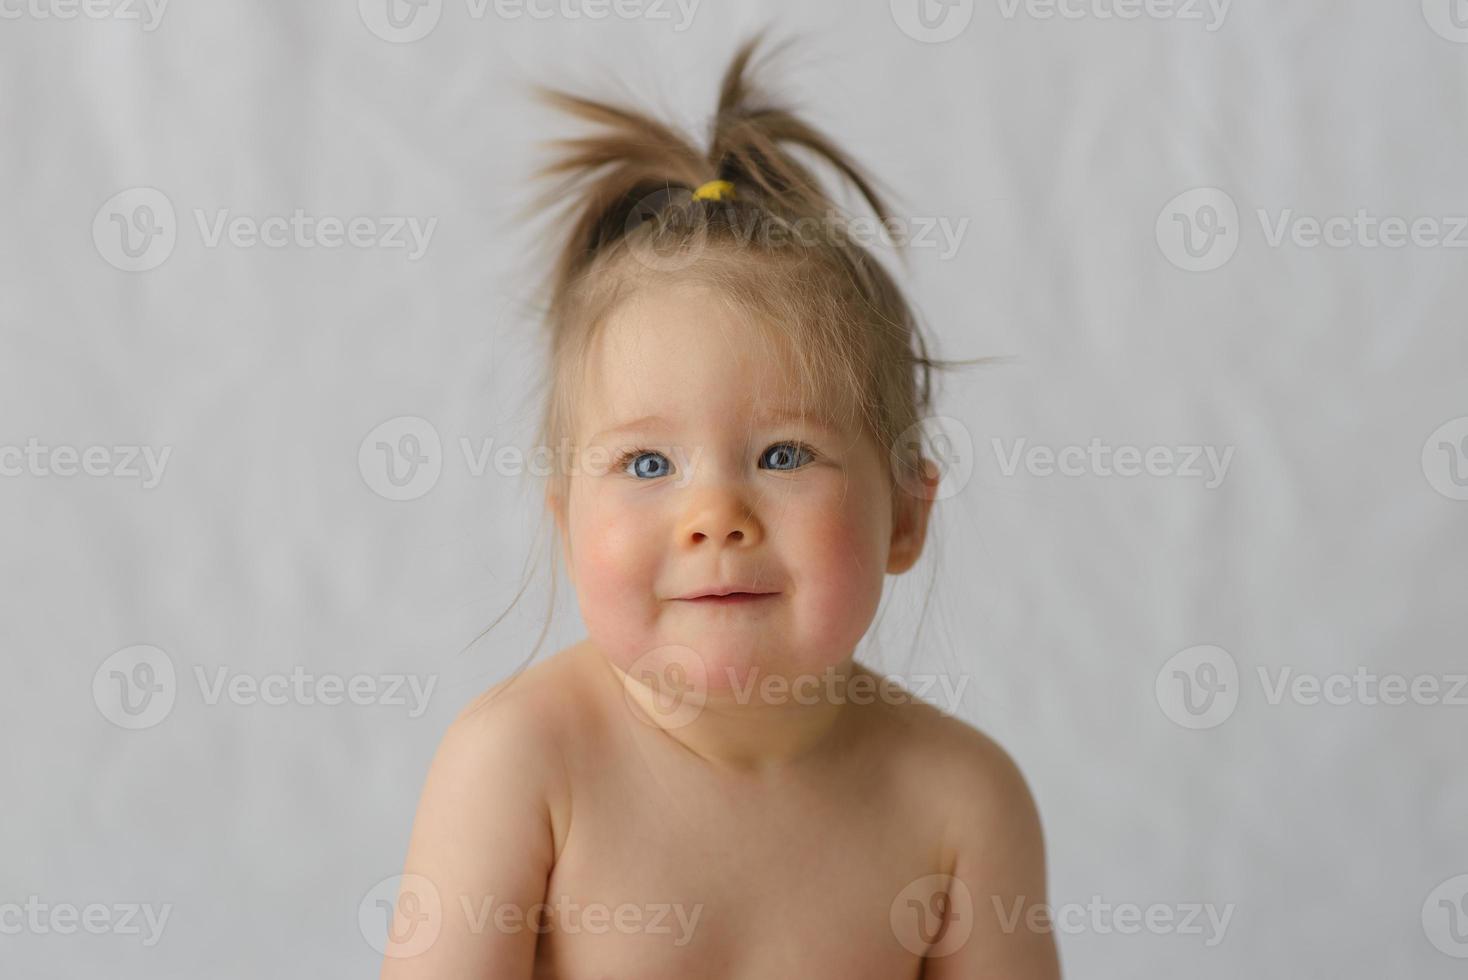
721 516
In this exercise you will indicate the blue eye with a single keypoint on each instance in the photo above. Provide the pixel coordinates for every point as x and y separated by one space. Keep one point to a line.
645 465
786 456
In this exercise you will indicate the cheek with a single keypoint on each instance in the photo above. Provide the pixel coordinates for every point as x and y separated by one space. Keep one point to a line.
839 560
614 562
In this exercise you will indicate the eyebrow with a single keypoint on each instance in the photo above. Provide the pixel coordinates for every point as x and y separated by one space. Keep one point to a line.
816 418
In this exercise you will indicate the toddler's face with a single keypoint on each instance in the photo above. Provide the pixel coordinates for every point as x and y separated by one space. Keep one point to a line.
691 480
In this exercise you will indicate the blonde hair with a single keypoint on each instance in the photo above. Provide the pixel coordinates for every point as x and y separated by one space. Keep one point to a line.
626 197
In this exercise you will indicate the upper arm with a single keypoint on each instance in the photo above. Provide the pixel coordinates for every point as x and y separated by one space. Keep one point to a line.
998 855
480 852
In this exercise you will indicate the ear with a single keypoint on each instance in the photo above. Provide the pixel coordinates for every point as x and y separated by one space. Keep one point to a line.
912 504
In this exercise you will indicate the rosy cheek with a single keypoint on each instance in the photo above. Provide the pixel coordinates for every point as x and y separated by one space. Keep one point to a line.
614 568
842 580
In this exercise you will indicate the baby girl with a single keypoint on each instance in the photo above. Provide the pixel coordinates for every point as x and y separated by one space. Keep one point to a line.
708 784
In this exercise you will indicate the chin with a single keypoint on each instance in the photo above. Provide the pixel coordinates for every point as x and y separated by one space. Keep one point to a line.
733 666
721 659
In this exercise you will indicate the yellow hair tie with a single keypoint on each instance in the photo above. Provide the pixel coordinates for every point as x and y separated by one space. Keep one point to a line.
714 190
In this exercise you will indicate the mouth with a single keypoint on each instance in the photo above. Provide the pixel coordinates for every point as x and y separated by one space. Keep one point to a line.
732 598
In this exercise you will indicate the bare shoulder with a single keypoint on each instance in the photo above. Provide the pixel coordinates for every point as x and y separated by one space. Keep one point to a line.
992 846
544 698
489 827
974 771
520 732
988 788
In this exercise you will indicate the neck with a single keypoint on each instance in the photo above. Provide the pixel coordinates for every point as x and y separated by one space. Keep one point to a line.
745 730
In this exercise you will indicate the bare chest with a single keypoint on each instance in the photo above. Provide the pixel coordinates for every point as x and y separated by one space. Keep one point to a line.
660 877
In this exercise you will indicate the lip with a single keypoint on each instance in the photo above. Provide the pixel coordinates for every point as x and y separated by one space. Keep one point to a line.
726 595
733 599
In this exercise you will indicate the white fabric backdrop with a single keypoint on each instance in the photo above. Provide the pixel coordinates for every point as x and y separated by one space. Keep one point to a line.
1333 542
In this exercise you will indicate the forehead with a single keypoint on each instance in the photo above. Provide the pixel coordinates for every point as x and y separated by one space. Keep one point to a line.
683 350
